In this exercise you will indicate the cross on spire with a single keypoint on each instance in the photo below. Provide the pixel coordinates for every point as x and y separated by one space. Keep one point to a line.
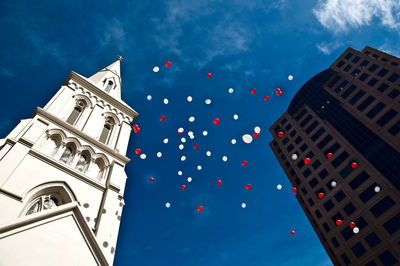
120 58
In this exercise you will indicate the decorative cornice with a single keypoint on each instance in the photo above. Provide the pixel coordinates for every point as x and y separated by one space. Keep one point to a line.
67 169
82 135
102 94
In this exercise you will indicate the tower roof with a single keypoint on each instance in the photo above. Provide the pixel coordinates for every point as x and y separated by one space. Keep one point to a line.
111 73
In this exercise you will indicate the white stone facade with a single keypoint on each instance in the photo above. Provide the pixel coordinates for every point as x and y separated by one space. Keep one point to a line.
66 166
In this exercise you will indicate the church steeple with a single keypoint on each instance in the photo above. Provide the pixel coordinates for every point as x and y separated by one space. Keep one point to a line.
109 78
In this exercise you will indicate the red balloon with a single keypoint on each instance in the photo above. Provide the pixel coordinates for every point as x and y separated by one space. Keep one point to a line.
168 64
136 128
162 118
352 224
354 165
151 179
266 98
219 182
138 151
253 91
255 134
209 75
294 190
244 163
338 222
329 155
278 92
292 232
321 195
195 146
216 121
281 134
183 187
248 186
200 208
307 160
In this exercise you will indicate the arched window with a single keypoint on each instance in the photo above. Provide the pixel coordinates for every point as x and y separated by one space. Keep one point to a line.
76 112
83 163
109 86
67 155
44 202
107 129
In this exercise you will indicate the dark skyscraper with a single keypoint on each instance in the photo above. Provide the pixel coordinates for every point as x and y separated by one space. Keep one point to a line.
339 144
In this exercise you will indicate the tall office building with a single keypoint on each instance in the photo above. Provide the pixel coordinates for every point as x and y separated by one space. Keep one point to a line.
349 113
62 175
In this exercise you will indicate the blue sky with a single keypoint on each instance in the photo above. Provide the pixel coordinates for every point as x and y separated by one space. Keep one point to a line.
244 44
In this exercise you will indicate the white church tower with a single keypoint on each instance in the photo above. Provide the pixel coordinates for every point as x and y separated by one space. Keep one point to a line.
62 175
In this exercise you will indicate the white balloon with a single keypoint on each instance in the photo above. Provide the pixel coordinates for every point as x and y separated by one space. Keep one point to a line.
159 154
208 153
205 133
257 130
190 133
143 156
294 156
230 90
356 230
199 167
165 141
179 172
166 101
181 146
191 137
149 97
167 204
156 69
279 186
247 138
244 205
183 158
290 77
377 189
191 119
235 116
180 130
224 158
207 101
183 140
189 98
189 179
333 183
233 141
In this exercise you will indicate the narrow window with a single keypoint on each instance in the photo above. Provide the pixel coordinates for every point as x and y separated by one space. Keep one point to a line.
386 117
300 115
43 203
347 68
333 82
348 56
383 72
323 174
329 205
393 77
348 91
358 180
372 240
340 64
318 134
340 196
375 110
107 128
109 86
306 120
395 129
335 242
368 193
387 258
372 82
366 103
356 59
382 206
349 209
312 127
76 112
83 163
358 249
67 155
383 87
393 225
341 86
364 77
394 93
372 68
364 63
313 183
326 227
357 97
324 141
355 72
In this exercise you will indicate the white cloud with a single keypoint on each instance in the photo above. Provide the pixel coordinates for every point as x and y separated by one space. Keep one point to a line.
327 48
341 15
